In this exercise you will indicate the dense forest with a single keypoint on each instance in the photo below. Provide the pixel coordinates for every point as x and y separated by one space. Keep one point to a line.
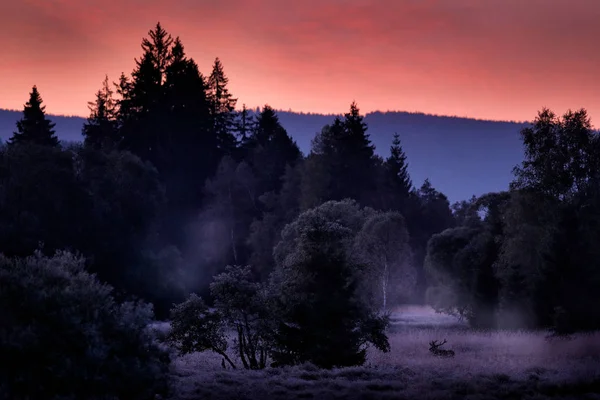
216 218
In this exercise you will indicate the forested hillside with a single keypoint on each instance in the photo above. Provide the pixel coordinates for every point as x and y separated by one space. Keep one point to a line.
460 156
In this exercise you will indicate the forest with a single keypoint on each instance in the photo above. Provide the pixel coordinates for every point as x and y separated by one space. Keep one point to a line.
181 206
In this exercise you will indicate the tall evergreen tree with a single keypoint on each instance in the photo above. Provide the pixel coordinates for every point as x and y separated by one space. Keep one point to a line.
100 130
145 98
222 107
34 127
188 133
244 124
342 163
271 149
397 169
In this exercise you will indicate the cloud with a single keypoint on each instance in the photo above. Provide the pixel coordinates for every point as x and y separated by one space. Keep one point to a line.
442 56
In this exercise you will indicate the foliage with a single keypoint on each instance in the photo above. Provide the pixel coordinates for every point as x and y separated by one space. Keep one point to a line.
382 244
222 107
241 305
280 209
329 175
245 307
100 130
34 127
68 337
322 317
397 184
196 328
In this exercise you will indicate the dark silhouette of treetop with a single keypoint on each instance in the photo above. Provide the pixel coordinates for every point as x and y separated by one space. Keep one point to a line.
101 127
34 127
222 107
397 168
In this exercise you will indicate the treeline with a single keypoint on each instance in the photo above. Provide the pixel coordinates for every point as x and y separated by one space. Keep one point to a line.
528 257
172 184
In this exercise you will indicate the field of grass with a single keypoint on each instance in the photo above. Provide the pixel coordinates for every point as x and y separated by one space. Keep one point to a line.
487 365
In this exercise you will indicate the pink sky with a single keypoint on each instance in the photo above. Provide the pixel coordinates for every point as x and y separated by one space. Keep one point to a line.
497 59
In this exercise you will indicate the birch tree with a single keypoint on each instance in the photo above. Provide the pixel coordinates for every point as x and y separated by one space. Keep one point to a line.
383 246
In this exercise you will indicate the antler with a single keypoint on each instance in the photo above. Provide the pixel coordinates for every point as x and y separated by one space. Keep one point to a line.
435 344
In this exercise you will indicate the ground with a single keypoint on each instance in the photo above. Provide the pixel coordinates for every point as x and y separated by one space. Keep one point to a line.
487 365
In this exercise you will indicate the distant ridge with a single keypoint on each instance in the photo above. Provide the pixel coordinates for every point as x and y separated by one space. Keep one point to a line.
461 156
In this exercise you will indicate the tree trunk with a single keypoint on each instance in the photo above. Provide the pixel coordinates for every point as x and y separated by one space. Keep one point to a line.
232 232
226 357
241 346
384 284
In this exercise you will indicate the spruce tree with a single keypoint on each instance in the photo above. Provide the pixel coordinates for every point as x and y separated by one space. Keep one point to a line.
142 128
189 145
271 149
100 130
397 184
222 108
244 125
34 127
357 158
342 163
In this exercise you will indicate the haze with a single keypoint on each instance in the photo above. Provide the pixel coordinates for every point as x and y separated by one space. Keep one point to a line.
493 59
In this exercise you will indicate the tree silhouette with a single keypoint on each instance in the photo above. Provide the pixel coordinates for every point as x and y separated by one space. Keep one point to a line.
100 130
34 127
244 125
222 107
342 163
397 170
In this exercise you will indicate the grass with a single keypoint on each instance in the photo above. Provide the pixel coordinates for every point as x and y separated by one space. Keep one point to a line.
487 365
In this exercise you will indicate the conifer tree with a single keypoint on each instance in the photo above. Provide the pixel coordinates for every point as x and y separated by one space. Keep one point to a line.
222 107
188 133
398 167
342 163
397 184
145 98
34 127
244 125
100 130
271 149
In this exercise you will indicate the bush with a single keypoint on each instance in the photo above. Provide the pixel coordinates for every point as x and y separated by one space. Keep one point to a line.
245 307
197 328
68 338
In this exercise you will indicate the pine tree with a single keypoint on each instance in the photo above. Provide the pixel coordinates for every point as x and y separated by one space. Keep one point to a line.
342 163
100 130
222 107
188 133
244 125
158 46
357 153
397 182
271 149
143 126
123 102
34 127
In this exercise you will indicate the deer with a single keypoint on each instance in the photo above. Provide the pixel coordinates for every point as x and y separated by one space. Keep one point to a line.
434 348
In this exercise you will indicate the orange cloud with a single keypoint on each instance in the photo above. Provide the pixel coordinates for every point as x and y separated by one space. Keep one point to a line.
501 59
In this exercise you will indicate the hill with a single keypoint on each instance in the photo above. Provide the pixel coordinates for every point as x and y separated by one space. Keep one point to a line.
460 156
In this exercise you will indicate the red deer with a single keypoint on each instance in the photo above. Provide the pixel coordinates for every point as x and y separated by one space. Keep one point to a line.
434 348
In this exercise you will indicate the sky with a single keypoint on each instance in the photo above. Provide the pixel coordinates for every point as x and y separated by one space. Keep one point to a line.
489 59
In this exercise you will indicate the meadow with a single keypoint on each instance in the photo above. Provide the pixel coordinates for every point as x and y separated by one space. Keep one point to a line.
487 365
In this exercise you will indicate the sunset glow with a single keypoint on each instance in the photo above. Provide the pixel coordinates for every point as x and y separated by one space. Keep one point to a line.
496 59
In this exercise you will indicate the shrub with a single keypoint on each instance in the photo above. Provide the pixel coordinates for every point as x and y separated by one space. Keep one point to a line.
245 307
197 328
68 338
